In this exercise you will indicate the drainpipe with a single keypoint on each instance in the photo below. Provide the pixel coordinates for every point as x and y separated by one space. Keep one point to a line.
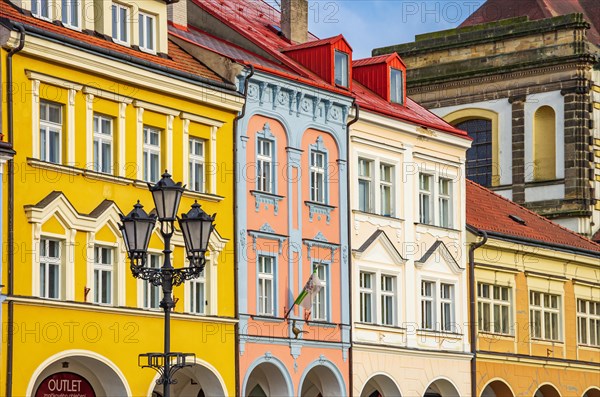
11 204
348 156
235 231
472 322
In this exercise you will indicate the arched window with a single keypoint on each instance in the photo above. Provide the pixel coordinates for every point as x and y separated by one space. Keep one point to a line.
479 156
544 144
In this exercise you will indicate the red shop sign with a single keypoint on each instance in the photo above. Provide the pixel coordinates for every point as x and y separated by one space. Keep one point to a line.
65 384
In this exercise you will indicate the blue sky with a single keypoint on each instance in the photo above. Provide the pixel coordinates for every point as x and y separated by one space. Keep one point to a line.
370 24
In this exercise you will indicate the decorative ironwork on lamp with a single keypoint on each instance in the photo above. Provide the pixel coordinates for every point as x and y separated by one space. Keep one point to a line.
196 227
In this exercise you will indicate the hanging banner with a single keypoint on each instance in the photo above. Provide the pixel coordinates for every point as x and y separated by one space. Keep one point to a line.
65 384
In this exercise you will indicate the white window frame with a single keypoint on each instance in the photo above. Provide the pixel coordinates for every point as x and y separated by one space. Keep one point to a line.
99 269
320 307
384 299
67 13
428 322
47 127
265 172
494 313
437 302
143 32
197 159
447 324
365 180
47 263
148 289
544 310
36 8
397 95
590 316
118 24
341 70
150 153
445 197
318 173
196 286
266 300
383 185
100 140
366 292
426 194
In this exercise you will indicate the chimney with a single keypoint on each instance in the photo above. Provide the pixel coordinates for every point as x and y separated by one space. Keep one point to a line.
294 20
177 12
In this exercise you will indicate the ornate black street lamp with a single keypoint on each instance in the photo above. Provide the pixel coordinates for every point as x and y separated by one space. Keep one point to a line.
196 227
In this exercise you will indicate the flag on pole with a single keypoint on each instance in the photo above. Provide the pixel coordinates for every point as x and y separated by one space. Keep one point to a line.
312 288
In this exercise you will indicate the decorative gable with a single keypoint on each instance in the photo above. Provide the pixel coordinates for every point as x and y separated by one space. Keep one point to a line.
385 75
329 58
439 258
380 249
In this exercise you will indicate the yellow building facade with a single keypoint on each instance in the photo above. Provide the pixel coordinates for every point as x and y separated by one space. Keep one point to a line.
94 119
537 303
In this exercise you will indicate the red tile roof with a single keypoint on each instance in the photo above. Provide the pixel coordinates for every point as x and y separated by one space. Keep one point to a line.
252 19
412 112
178 59
495 10
492 213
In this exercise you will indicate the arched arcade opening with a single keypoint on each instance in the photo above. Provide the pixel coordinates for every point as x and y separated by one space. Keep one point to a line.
380 386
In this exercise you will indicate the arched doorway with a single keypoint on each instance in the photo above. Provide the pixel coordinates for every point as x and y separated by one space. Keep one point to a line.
592 392
380 386
497 388
102 375
268 379
195 381
321 381
441 388
547 390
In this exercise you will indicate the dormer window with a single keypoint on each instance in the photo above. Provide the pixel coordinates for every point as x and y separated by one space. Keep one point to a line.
40 8
396 95
147 32
70 13
120 23
341 68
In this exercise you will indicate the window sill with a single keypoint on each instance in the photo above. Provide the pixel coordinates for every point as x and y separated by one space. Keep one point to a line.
379 327
547 341
46 165
203 196
119 42
436 333
588 347
100 176
321 323
267 318
147 51
493 335
428 225
266 198
319 209
389 218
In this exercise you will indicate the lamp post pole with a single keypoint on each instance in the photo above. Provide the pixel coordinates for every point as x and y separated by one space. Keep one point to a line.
196 227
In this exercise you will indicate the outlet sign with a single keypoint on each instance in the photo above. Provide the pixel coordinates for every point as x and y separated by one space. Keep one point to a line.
65 384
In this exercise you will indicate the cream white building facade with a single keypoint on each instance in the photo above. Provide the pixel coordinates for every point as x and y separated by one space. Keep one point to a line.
409 280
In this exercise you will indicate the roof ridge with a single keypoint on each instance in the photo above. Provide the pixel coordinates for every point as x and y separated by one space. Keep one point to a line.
546 220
